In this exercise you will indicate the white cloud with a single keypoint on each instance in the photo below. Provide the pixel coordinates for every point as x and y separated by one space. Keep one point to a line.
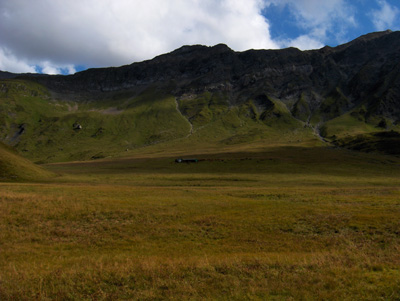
56 35
96 33
8 62
385 17
303 42
70 69
320 19
50 68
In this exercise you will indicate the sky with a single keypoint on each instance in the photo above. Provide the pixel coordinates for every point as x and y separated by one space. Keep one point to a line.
66 36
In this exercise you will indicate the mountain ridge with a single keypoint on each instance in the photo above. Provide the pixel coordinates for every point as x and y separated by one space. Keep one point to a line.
203 68
328 94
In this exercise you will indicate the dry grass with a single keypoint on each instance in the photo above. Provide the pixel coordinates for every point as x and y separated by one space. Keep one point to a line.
234 229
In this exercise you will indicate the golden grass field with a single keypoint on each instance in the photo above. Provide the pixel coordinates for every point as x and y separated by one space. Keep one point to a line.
272 223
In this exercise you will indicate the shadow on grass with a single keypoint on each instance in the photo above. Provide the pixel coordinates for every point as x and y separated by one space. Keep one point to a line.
283 160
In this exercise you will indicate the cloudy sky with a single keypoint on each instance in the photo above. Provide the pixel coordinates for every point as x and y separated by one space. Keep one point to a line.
65 36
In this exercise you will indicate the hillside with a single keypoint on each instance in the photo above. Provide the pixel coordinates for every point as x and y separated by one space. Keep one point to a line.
198 96
13 167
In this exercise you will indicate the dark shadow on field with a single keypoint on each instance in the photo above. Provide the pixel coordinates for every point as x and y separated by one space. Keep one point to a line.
284 159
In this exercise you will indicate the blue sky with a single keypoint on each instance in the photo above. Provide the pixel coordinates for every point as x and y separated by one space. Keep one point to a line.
330 22
66 36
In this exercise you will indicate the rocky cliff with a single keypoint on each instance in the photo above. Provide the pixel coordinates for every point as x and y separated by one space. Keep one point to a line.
329 81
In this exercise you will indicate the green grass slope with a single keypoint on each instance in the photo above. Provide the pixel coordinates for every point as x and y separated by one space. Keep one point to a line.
387 142
13 167
48 128
45 128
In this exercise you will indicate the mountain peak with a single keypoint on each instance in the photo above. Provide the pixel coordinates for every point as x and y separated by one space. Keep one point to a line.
189 49
366 38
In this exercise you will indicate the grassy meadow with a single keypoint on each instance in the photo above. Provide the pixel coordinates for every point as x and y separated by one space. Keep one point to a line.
275 222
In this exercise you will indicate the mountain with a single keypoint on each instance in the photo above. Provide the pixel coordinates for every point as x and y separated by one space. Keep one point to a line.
207 95
364 70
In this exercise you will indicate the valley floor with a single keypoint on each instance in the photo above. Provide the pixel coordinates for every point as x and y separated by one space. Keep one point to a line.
278 223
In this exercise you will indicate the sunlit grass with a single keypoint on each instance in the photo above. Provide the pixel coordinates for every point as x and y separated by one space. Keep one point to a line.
284 223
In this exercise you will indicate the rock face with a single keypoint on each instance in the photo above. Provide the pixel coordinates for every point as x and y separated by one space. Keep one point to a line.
365 72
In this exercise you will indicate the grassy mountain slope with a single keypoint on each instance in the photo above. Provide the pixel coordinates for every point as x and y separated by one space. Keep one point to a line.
13 167
387 142
47 128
